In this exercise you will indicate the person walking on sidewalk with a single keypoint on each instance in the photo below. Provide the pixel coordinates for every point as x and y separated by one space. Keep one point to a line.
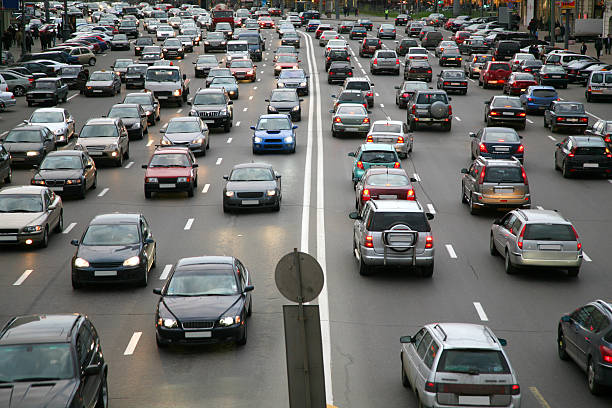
29 42
583 48
598 46
608 43
356 11
386 14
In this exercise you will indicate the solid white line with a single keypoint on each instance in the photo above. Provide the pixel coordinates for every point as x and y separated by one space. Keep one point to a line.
586 257
552 138
130 164
470 79
308 164
539 207
129 350
451 251
70 97
179 110
258 79
595 116
229 140
149 143
363 70
530 121
188 224
69 228
481 312
237 123
431 208
458 118
219 160
23 277
416 176
165 272
245 109
251 98
205 189
103 192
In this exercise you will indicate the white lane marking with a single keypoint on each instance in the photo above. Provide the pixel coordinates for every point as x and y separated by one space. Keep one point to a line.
388 117
416 176
481 312
458 118
130 164
451 251
377 95
586 257
245 109
219 160
129 350
206 188
237 123
382 106
103 192
595 116
470 79
308 164
530 121
363 70
431 208
251 98
70 97
539 207
552 138
165 272
188 224
179 110
69 228
255 88
264 65
149 143
23 277
258 79
229 140
261 72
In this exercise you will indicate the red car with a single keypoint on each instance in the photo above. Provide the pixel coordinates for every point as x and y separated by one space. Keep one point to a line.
382 183
285 61
171 169
460 36
321 28
449 23
275 12
495 73
237 22
265 22
243 69
518 83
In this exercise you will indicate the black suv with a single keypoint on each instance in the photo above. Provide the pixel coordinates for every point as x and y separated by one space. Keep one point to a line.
506 50
58 355
336 55
429 107
214 107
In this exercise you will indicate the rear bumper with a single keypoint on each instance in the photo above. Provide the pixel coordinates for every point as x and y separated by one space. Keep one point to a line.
518 202
603 374
393 258
519 260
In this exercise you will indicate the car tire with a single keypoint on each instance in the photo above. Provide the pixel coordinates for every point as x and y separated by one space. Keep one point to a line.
102 401
594 387
405 381
226 209
243 340
412 125
463 198
45 240
147 194
565 171
573 272
92 62
276 207
19 90
191 191
126 154
545 123
427 271
76 284
30 103
226 127
510 269
561 350
144 279
473 208
492 249
9 177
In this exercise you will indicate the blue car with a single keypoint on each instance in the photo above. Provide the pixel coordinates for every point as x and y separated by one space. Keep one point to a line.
538 98
274 133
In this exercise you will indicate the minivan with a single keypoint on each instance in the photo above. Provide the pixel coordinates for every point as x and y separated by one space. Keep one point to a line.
599 85
431 39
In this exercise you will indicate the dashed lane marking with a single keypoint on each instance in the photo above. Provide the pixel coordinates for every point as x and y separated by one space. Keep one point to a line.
188 224
103 192
451 251
416 176
539 397
255 88
237 123
245 109
206 188
377 95
431 208
149 143
4 133
129 350
458 118
251 98
130 164
165 272
69 228
23 277
229 140
530 121
586 257
179 110
363 70
258 79
552 138
382 106
219 160
481 312
70 97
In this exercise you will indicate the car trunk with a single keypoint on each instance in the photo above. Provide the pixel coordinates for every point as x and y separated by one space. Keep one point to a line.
549 242
468 389
502 148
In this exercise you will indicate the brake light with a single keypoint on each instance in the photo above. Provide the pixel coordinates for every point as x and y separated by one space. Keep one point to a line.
572 153
607 139
397 61
328 58
348 58
530 99
494 113
365 105
370 94
396 165
375 62
365 195
450 110
360 165
430 386
522 114
350 73
515 389
584 119
520 240
331 72
406 95
520 149
369 139
482 174
446 83
560 119
337 119
366 120
410 194
578 244
429 71
606 354
369 242
400 139
31 79
524 176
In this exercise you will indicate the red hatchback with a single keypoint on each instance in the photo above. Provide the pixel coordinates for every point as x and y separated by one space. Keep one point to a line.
518 83
494 74
461 36
382 183
171 169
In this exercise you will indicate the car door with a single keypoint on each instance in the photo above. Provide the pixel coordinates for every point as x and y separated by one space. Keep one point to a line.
477 139
410 356
148 248
123 138
501 232
469 180
420 369
243 275
48 140
579 334
563 150
69 123
85 352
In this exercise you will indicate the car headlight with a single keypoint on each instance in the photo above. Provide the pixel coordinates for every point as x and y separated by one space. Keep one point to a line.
251 72
81 263
166 142
168 323
165 50
199 140
133 261
229 193
39 182
296 108
271 108
75 181
193 113
229 57
303 83
117 72
257 139
182 179
136 125
33 228
151 179
176 92
271 193
32 153
229 320
232 92
148 112
206 43
59 131
280 85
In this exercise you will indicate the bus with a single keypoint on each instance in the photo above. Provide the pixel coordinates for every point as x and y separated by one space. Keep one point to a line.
222 13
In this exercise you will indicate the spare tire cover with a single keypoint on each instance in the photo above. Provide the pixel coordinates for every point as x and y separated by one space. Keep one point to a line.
399 227
438 110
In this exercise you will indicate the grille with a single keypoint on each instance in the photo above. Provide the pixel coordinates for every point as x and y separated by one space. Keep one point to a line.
250 194
98 148
273 140
54 183
9 231
106 264
291 85
204 324
164 180
162 93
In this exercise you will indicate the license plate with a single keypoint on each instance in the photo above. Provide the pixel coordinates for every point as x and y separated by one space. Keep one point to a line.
97 91
105 273
250 202
450 59
549 247
167 185
384 140
556 76
473 400
590 165
209 121
9 238
198 335
162 97
57 188
572 120
351 129
504 189
96 153
455 83
387 196
502 149
18 159
508 113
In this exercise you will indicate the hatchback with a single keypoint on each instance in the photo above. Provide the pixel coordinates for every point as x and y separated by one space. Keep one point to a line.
383 184
393 132
583 154
274 132
372 155
538 98
385 60
369 46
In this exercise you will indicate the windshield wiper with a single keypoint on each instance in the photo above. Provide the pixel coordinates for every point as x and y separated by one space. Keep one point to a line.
28 379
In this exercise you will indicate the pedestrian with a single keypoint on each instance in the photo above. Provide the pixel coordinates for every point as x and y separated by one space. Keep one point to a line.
562 32
608 43
6 40
356 11
28 42
386 14
19 38
531 27
598 46
35 31
583 48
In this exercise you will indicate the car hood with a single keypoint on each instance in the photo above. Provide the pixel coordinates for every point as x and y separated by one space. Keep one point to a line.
286 64
107 253
19 220
22 147
182 137
207 65
53 126
100 83
292 80
208 107
58 174
37 394
228 87
273 133
96 141
250 185
199 307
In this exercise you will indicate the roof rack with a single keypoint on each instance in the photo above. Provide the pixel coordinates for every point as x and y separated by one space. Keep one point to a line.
604 304
523 214
437 326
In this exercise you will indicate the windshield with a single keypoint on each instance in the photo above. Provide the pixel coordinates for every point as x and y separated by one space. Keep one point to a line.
273 124
111 234
120 37
47 117
219 282
23 136
251 174
98 131
501 102
44 84
387 127
287 49
387 180
286 58
473 361
382 221
207 58
209 99
183 126
123 63
241 64
219 72
545 93
21 203
163 75
223 81
61 163
484 58
141 100
36 362
173 42
137 70
70 70
549 232
503 175
454 75
169 160
285 74
101 76
554 69
237 47
284 96
123 112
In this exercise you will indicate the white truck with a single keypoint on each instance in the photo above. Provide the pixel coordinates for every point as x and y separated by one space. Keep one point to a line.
588 28
167 83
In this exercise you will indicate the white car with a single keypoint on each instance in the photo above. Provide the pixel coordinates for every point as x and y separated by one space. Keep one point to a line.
417 53
54 64
7 99
164 31
58 120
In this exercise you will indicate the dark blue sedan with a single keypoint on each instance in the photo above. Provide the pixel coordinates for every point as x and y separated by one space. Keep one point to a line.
274 133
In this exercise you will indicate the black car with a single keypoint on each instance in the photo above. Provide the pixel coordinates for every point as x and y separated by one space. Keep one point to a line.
216 72
60 354
366 23
140 43
287 101
47 90
339 71
404 45
566 115
602 128
293 78
205 300
530 66
119 42
402 19
553 75
133 117
404 92
75 76
150 55
28 145
215 41
505 110
70 172
429 107
497 143
135 76
252 185
214 107
452 80
114 248
473 46
450 56
291 38
336 55
148 103
418 70
203 64
358 33
583 154
506 49
173 48
6 173
128 28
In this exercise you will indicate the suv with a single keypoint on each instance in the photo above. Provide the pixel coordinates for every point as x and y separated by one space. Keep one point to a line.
583 155
64 348
369 46
458 364
599 85
362 84
214 107
494 74
336 55
429 108
536 238
393 233
497 183
506 49
585 336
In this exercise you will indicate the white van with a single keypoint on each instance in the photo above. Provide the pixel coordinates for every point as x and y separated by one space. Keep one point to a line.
599 86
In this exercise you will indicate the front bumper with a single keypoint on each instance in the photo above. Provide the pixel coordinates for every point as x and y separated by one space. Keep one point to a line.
98 91
214 335
105 155
21 159
94 275
41 98
21 238
264 201
393 258
170 54
134 82
167 187
273 144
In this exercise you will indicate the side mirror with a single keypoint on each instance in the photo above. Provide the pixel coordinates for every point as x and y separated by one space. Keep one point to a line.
249 288
230 102
354 216
225 177
429 216
472 134
267 100
566 319
252 127
74 242
157 291
25 122
93 369
558 144
195 165
497 221
520 137
149 241
503 342
464 171
295 126
351 154
301 99
406 339
184 77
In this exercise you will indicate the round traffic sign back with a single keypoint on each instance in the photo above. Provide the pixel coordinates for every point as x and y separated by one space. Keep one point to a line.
299 277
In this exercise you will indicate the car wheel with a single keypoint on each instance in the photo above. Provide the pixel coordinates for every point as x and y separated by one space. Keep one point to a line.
276 207
19 90
473 208
594 387
561 351
463 199
405 381
127 153
103 394
573 272
45 240
60 223
83 191
92 62
76 284
565 171
243 339
144 279
9 177
147 194
427 271
191 191
492 249
226 127
545 123
510 269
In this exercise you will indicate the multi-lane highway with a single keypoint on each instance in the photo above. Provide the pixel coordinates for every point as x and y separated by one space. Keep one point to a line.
363 318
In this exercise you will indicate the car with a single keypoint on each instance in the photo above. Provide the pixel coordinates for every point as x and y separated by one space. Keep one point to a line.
393 132
285 61
339 71
372 155
566 115
429 107
518 82
75 76
362 84
393 233
252 185
228 83
105 139
133 117
236 50
214 107
322 27
101 82
441 47
505 49
529 66
452 80
358 32
17 83
585 336
206 299
599 86
418 70
129 28
286 49
405 91
265 22
187 131
203 65
538 98
326 36
473 65
6 172
496 143
171 169
583 154
553 75
369 46
114 248
413 29
350 118
294 78
438 359
47 90
312 25
120 42
383 184
120 67
603 129
243 69
217 72
63 347
173 48
29 144
519 57
58 120
291 38
28 215
402 46
336 55
427 29
148 103
165 31
151 54
385 60
450 56
495 183
494 73
386 31
70 172
214 41
140 43
505 110
274 132
416 53
186 42
135 75
285 101
534 239
473 46
585 73
402 19
430 38
350 96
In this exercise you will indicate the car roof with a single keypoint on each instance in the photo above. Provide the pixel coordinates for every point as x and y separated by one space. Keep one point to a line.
542 216
22 190
464 335
377 147
489 161
138 94
547 87
397 205
203 260
274 115
185 119
252 165
115 218
102 121
387 122
50 110
65 153
171 149
28 329
210 90
594 141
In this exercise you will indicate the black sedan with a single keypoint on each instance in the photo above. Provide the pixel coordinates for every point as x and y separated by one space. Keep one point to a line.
148 102
339 71
553 75
450 56
583 154
364 22
573 69
141 43
252 185
294 78
114 248
206 299
405 92
70 172
566 115
401 19
602 128
29 144
452 80
287 101
506 110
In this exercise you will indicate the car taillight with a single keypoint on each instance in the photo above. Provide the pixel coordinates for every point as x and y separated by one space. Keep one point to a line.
429 71
369 242
375 62
406 95
494 113
572 153
328 58
350 73
331 72
365 195
370 93
520 149
396 165
446 83
400 139
607 139
520 240
584 119
578 244
450 110
397 61
482 173
365 105
369 139
515 389
337 119
410 194
31 79
366 120
522 114
560 119
360 165
606 354
348 58
413 109
530 99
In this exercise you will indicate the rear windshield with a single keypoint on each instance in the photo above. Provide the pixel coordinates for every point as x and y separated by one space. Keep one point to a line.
387 127
500 136
473 361
544 93
359 85
503 66
373 156
503 175
507 102
570 108
431 98
387 180
371 42
549 232
386 55
382 221
590 151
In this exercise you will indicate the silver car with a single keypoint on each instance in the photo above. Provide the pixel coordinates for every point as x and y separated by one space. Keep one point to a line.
473 64
105 139
536 239
459 365
393 132
189 132
58 120
385 60
350 118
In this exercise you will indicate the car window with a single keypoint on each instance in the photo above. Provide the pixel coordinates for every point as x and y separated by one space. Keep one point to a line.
251 174
111 234
503 175
85 346
544 93
549 232
418 337
21 362
473 361
183 126
381 221
424 345
599 321
387 180
582 316
508 221
516 226
217 280
432 352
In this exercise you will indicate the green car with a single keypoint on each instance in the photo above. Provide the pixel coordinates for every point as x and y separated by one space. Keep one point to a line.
373 155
